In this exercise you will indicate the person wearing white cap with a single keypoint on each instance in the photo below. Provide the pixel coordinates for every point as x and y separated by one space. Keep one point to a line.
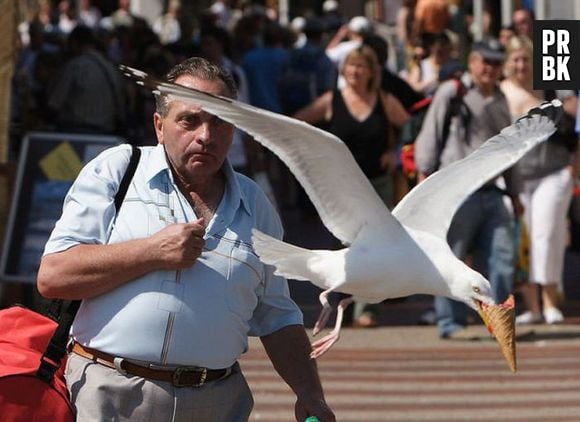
332 17
297 25
330 6
337 50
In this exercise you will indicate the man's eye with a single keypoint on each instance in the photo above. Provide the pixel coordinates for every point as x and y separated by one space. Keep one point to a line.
217 121
190 121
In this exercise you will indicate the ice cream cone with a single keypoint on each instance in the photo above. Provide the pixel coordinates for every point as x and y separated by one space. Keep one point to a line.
500 321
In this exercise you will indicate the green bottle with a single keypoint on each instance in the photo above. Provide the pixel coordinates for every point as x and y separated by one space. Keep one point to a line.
311 419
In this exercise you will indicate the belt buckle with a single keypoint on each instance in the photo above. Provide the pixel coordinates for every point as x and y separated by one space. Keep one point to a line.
183 369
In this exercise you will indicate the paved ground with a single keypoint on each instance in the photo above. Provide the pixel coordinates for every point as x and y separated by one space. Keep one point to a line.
405 373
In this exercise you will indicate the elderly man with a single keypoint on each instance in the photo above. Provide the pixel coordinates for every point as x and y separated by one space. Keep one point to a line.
483 226
171 287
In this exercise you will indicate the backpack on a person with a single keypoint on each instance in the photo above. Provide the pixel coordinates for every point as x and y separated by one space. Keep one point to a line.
411 129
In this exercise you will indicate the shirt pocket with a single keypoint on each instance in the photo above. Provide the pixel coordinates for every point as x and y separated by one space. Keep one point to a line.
244 281
161 209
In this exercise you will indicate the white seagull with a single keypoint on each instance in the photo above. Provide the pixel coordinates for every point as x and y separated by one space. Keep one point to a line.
386 255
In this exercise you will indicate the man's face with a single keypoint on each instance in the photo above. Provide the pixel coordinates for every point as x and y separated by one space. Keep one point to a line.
195 142
522 23
485 72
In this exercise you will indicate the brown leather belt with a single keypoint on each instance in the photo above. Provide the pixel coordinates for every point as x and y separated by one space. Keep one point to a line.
183 376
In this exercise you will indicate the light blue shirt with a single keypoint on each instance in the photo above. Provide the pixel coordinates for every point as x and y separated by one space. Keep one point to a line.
199 316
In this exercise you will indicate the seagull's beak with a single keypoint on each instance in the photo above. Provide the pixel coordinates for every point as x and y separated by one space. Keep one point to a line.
500 322
483 315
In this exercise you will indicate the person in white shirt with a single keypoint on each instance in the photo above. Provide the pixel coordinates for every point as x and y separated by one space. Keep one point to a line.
348 38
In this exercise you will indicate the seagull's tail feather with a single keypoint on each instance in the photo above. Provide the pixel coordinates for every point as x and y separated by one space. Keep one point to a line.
290 261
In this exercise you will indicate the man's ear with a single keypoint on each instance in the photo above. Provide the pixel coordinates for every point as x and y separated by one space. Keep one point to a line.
158 125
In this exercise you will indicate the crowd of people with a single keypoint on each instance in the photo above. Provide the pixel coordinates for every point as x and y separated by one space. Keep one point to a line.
333 72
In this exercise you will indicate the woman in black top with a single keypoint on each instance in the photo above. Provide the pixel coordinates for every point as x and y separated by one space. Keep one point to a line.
362 116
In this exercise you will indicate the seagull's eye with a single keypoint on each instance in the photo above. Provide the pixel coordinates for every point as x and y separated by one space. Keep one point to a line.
476 289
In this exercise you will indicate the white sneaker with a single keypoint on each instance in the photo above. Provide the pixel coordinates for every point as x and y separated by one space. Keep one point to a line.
553 316
528 318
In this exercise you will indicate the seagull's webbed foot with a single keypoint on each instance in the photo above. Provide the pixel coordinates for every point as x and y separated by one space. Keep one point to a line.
324 313
321 346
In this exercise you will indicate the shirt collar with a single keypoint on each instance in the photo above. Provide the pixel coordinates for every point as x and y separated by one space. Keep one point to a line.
158 165
233 190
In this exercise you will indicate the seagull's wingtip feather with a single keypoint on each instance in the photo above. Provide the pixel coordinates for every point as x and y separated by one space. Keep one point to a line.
553 110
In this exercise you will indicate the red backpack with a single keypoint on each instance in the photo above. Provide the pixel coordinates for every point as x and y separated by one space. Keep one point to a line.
28 390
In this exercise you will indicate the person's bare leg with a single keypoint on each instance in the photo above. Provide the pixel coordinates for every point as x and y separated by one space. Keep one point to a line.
531 298
550 296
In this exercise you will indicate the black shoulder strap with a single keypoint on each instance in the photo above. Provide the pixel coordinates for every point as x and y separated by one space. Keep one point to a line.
127 177
456 107
56 349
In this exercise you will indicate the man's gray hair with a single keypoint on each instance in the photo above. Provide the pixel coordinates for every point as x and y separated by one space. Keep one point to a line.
200 68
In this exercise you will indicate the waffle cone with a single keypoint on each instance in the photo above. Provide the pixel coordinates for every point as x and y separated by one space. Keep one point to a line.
500 319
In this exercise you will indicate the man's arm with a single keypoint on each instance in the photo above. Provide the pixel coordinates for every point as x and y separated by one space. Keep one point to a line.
85 271
337 38
289 350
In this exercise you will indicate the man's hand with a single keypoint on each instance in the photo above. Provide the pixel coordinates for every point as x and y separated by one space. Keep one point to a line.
178 246
85 271
309 407
289 350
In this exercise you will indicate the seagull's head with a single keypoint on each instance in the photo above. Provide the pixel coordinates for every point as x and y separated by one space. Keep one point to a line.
472 288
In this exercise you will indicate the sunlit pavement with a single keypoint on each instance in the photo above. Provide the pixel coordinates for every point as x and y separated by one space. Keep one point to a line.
406 373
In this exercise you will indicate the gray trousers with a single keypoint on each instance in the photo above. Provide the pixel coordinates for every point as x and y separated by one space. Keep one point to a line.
100 393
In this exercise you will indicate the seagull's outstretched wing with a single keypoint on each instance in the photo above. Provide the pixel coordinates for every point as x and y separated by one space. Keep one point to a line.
321 162
430 206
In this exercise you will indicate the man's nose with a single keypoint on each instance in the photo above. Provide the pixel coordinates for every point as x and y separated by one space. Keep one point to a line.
204 132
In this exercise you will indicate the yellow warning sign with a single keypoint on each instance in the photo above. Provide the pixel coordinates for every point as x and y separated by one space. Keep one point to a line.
62 163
